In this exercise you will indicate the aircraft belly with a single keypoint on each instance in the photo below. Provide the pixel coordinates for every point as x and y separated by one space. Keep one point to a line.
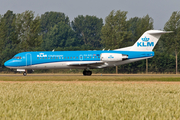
55 65
129 61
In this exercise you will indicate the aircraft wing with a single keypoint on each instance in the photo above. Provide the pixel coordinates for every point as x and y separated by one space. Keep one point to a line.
84 63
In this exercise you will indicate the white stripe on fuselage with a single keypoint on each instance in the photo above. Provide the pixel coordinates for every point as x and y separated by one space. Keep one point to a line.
56 65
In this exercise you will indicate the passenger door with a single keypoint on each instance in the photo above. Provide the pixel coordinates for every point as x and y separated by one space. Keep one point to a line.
28 59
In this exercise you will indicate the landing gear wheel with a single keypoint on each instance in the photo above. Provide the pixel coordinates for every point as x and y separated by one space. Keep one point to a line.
87 73
24 73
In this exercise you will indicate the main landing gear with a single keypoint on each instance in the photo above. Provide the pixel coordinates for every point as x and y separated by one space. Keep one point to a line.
25 73
87 73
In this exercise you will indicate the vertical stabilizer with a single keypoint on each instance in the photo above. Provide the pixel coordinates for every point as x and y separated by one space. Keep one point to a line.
148 40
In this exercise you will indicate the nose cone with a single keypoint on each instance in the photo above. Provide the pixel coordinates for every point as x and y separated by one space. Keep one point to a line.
13 63
8 63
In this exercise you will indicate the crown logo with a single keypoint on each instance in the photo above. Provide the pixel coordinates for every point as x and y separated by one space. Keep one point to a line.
110 57
145 39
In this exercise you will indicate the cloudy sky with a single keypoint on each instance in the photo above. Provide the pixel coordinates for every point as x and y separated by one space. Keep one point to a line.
159 10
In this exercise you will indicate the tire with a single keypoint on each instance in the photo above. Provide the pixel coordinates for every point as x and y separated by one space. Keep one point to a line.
24 73
87 73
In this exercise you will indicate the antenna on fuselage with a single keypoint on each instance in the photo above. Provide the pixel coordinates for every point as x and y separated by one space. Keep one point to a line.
53 50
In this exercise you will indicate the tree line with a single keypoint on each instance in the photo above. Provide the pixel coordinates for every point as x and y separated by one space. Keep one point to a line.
54 31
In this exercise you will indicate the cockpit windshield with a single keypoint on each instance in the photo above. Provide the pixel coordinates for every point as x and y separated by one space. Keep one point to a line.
17 57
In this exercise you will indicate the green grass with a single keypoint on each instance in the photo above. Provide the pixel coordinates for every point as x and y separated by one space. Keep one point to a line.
94 101
90 78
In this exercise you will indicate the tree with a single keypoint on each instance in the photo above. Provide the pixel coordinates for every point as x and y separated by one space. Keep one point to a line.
8 37
133 25
49 22
172 41
2 34
61 35
28 29
115 32
7 28
50 19
88 30
146 23
162 62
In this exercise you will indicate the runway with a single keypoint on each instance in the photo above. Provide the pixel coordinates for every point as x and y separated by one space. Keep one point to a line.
123 75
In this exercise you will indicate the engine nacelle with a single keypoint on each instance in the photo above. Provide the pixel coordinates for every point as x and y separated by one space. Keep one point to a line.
113 57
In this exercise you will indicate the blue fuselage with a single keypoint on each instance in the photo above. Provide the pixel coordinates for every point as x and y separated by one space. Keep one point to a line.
30 59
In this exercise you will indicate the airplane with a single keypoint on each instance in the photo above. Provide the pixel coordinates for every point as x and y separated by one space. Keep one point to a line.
86 60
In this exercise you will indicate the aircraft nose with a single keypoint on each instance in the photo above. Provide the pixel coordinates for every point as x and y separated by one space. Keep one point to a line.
7 63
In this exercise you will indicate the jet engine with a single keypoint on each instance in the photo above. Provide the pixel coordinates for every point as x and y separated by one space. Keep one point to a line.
109 57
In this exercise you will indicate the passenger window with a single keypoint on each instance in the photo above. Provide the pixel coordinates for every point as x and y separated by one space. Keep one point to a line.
37 58
65 57
77 57
68 57
56 57
71 57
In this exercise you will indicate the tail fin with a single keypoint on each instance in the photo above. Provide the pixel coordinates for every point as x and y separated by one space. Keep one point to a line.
148 40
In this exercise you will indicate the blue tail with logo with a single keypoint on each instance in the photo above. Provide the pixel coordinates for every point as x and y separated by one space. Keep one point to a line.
148 40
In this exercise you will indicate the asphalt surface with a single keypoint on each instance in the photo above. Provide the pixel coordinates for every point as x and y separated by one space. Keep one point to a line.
123 75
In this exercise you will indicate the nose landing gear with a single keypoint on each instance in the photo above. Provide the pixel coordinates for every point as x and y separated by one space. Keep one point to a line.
87 73
27 71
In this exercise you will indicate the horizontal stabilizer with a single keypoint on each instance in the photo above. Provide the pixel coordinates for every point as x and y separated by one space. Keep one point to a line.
153 32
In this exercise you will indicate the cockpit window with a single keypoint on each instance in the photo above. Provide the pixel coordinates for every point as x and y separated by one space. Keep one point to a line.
18 57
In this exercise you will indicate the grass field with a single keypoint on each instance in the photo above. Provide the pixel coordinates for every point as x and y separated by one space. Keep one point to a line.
92 100
96 77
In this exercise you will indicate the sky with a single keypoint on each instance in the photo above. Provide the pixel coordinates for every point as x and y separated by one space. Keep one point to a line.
159 10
